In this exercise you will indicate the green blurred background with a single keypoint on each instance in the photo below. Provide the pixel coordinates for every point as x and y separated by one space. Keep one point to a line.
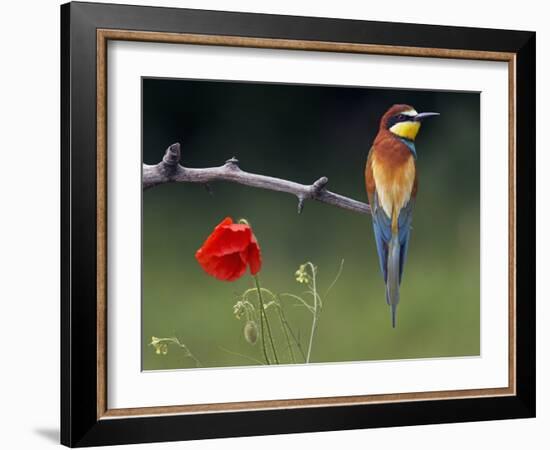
300 133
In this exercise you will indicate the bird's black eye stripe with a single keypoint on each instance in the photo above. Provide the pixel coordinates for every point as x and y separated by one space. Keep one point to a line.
396 119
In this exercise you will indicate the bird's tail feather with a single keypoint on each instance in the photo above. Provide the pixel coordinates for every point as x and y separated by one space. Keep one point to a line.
393 315
392 283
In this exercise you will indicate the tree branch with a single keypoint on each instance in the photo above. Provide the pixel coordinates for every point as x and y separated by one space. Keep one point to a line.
170 171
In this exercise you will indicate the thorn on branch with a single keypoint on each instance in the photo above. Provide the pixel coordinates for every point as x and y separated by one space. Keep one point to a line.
232 163
172 155
318 186
314 191
301 200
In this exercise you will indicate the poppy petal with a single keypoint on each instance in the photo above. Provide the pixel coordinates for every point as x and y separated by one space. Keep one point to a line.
215 235
225 268
227 239
231 241
254 257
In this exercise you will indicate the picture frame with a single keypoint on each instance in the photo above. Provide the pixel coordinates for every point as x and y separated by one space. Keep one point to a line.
86 29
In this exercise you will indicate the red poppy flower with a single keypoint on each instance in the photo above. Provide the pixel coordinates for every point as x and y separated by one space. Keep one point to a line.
229 250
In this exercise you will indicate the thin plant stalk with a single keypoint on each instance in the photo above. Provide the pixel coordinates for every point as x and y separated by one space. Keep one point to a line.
316 306
174 340
289 328
241 355
285 331
262 332
264 315
296 340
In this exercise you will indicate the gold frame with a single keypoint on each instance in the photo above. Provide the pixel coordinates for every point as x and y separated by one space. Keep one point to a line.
103 36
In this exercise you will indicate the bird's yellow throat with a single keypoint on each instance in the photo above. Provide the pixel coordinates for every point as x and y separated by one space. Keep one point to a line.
407 130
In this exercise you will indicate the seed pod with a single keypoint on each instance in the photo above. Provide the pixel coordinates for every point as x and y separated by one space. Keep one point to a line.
251 332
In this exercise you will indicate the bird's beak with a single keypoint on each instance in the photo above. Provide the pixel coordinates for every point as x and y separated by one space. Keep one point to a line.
421 116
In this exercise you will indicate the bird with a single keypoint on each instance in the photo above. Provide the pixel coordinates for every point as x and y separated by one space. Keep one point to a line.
391 182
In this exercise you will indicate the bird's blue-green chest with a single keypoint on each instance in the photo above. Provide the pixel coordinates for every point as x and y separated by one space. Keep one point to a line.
410 146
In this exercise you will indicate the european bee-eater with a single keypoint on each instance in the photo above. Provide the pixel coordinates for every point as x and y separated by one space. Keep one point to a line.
391 182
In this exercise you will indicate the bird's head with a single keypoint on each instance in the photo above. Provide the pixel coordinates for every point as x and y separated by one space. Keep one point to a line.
404 121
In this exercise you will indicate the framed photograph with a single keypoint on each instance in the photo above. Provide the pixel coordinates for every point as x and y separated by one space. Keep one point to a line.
276 224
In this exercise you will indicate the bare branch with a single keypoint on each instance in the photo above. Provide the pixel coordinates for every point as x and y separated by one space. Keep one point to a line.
170 171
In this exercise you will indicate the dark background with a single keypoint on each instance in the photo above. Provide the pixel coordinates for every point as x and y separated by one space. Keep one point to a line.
300 133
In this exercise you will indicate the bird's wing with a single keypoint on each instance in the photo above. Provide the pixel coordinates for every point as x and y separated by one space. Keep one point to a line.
404 223
380 221
382 234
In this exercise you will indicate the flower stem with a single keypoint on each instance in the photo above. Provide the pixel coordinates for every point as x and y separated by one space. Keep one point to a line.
264 315
262 332
285 331
316 307
296 340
